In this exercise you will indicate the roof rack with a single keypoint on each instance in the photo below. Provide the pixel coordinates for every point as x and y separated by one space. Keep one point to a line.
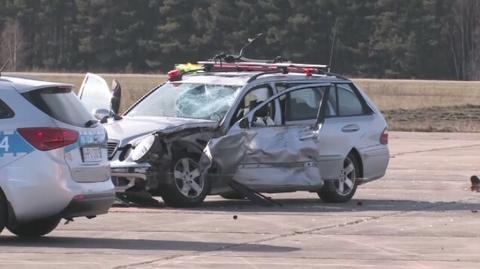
284 67
243 66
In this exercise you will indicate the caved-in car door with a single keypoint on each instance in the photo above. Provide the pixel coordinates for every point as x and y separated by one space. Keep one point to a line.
95 93
276 146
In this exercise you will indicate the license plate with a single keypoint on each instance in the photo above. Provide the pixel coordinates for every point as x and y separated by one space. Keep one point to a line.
91 154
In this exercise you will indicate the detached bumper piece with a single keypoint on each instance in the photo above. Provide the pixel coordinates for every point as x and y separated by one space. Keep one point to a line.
88 205
252 195
475 183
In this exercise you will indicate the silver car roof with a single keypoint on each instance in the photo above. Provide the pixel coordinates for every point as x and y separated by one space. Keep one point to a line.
243 78
227 78
23 85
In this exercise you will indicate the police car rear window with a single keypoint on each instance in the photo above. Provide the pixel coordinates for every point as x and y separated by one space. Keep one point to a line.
5 111
61 104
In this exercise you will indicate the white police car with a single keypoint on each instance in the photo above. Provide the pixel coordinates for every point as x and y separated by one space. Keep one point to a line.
53 158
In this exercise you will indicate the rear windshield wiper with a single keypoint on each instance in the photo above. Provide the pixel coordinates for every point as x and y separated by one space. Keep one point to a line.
90 123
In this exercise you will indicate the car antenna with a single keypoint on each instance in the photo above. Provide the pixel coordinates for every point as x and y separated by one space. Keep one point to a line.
4 66
332 49
250 42
231 58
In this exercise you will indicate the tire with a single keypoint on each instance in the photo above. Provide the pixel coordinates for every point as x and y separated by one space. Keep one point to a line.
342 190
3 211
36 228
187 188
234 195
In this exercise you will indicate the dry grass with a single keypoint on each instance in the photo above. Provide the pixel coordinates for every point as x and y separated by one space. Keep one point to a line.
134 86
409 94
387 94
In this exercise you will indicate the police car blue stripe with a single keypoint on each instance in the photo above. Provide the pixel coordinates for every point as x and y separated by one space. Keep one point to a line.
13 144
89 138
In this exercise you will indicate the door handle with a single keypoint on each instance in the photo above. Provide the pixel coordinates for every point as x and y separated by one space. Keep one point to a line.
350 128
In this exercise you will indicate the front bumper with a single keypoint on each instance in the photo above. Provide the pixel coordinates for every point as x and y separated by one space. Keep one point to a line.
126 175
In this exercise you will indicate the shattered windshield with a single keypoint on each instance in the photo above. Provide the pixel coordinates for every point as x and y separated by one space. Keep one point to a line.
188 100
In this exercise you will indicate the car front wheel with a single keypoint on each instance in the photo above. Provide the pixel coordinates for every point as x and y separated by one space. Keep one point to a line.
36 228
187 188
343 189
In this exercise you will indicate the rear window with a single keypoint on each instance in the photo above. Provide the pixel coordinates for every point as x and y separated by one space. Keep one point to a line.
61 104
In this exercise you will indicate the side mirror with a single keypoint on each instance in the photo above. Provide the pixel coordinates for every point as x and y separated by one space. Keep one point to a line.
116 96
101 114
244 123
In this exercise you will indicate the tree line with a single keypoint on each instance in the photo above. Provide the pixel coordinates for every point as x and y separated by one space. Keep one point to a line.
432 39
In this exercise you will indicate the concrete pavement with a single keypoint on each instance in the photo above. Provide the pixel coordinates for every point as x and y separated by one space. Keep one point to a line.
421 215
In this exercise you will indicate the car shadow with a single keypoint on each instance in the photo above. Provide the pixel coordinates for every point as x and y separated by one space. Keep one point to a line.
355 205
136 244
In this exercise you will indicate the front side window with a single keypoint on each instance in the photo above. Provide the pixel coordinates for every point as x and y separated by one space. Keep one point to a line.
251 100
187 100
264 116
348 102
5 111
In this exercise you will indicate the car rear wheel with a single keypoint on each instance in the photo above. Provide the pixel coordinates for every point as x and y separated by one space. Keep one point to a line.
36 228
187 188
343 189
3 211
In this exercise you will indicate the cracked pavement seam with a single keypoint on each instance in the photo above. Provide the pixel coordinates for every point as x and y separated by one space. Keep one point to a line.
289 234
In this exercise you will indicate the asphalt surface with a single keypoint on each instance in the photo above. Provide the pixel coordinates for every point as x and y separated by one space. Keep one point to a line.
422 214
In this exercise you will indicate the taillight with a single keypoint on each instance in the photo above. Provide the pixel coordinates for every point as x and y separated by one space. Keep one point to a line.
384 137
49 138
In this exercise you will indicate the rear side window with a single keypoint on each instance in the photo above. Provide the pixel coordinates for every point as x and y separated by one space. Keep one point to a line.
303 104
61 104
348 102
5 111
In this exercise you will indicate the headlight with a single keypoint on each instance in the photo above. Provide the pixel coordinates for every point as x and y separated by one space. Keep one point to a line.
143 148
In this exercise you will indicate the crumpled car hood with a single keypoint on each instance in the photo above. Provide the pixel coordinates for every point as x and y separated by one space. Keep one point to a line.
129 128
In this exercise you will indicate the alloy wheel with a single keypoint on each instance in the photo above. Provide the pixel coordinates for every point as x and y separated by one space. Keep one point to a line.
346 182
187 178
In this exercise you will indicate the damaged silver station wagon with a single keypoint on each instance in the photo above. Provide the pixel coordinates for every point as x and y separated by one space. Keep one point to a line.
239 128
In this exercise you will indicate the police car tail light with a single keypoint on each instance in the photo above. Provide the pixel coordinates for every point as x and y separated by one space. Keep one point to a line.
49 138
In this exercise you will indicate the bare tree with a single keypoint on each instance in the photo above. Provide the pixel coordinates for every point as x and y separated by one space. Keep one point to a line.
464 38
11 44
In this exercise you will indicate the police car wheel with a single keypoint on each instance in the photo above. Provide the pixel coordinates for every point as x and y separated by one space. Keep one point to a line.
186 188
35 228
3 211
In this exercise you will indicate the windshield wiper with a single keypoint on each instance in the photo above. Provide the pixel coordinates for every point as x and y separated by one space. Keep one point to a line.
90 123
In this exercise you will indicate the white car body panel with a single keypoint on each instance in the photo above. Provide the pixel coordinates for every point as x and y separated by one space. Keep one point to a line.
40 184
